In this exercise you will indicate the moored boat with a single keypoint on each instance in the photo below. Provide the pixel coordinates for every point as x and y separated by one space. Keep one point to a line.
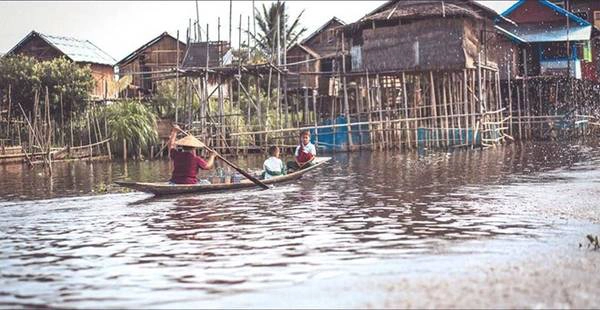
165 188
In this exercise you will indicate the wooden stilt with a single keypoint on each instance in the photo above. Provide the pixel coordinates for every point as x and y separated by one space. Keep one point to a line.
406 112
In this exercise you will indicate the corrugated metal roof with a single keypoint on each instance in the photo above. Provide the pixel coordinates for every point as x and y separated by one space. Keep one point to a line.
549 33
79 50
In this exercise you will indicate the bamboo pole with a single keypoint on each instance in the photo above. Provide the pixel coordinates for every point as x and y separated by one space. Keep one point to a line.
261 121
49 131
380 109
220 98
62 121
32 132
445 108
434 108
525 92
71 128
205 105
346 104
177 82
369 105
473 108
406 112
499 100
9 120
89 135
417 104
316 115
453 100
466 100
510 107
519 114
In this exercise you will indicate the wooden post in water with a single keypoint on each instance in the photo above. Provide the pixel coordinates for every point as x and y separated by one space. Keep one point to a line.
176 83
9 113
465 101
346 104
510 108
434 114
316 123
445 108
89 135
406 113
369 113
305 119
417 106
452 89
380 109
519 114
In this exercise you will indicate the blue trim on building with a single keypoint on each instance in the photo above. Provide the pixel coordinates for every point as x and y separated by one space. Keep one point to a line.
550 5
562 11
512 8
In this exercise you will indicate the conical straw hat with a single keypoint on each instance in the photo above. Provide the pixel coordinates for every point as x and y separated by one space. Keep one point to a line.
189 141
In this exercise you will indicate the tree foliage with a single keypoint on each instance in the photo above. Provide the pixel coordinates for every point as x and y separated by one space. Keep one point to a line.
26 75
266 20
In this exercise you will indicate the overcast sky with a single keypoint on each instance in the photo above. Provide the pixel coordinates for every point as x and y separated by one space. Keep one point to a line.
120 27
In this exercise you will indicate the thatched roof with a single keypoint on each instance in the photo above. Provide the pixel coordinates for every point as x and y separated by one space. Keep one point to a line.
424 9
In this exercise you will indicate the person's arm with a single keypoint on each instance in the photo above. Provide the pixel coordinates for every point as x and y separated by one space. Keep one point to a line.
313 152
296 156
211 161
173 136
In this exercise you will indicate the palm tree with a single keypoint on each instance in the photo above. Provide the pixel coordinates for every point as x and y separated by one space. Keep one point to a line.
267 20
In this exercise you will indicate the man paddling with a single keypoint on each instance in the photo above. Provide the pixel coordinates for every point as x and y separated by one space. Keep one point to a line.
185 161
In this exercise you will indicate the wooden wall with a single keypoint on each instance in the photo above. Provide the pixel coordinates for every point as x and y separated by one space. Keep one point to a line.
39 49
434 44
296 54
105 86
532 11
161 55
325 42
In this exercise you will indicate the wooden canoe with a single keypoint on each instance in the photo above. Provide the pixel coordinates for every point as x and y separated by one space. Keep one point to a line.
165 188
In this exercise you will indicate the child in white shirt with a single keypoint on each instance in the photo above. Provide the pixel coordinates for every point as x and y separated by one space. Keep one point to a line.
273 166
305 153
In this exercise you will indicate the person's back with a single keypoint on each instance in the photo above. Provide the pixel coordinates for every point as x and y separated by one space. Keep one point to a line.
185 166
185 162
273 166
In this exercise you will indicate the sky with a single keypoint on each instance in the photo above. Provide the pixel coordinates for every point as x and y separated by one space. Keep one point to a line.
120 27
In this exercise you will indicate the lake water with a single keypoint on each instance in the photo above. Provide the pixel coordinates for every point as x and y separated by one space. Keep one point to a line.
75 241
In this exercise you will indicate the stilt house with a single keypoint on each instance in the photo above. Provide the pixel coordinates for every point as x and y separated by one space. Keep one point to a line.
404 35
554 41
145 63
316 53
46 47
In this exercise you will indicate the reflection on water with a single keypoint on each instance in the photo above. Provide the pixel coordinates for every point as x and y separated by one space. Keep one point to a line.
125 250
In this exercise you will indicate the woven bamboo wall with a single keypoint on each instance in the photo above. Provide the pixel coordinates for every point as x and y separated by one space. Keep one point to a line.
433 44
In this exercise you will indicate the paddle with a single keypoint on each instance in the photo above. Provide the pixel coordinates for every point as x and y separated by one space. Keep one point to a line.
238 169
